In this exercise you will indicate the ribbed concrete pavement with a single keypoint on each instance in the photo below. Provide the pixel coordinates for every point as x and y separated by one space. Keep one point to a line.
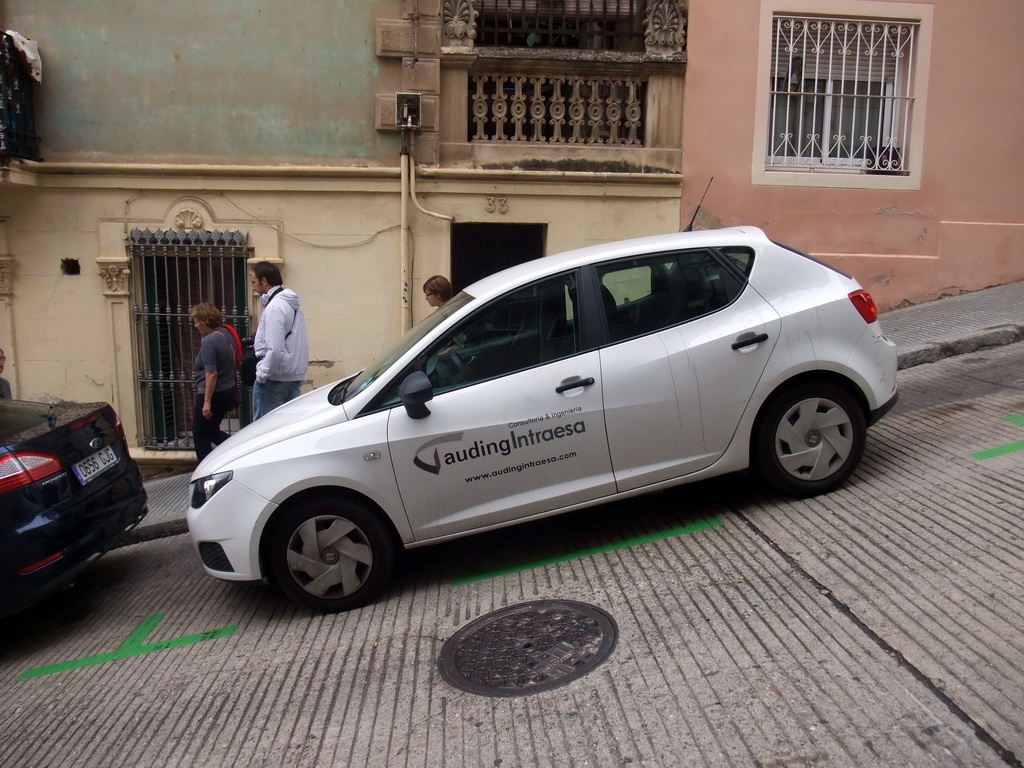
876 626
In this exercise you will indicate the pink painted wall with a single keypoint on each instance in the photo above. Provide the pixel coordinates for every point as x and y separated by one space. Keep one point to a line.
962 230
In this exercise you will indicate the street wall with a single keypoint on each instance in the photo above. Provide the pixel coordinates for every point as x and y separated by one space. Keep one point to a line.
956 224
337 238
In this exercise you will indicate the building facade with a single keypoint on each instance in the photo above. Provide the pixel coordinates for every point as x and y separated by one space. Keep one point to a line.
362 146
880 136
152 152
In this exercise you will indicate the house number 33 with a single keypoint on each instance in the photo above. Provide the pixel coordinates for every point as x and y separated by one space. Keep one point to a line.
496 204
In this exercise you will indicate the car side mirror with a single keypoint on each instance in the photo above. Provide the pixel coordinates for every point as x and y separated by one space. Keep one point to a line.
415 391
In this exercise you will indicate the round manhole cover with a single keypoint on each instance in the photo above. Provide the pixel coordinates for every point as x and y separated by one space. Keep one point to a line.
528 648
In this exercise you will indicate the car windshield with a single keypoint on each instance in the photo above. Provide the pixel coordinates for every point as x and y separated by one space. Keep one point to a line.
385 360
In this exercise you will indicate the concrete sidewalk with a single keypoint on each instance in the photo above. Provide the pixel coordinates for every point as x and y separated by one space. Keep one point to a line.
923 333
956 325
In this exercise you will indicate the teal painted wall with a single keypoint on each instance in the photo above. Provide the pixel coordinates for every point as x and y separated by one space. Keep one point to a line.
220 81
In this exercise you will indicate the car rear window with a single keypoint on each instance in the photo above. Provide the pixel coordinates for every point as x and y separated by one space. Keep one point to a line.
18 417
644 294
22 420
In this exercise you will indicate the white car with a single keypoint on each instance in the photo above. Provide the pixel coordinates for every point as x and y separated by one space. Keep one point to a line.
562 383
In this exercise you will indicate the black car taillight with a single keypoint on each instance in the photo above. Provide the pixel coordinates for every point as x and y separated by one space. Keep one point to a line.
865 305
40 564
21 469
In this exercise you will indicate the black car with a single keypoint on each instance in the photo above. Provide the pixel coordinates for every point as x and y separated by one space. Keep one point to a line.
69 490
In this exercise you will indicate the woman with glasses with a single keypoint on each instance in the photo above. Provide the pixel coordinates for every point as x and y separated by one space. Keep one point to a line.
437 290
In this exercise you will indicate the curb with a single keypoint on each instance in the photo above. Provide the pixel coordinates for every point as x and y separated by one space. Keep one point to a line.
145 533
932 352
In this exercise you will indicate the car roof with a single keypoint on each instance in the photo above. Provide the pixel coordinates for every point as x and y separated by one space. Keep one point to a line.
536 269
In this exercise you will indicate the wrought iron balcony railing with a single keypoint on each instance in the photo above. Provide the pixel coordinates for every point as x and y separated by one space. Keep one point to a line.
556 109
574 74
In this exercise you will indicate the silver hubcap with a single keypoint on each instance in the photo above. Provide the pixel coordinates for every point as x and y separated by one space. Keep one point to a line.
329 556
813 439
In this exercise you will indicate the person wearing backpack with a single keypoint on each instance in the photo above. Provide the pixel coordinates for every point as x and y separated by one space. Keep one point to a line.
216 387
280 344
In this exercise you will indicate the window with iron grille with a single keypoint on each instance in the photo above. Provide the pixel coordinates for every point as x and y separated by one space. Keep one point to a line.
842 94
172 271
603 25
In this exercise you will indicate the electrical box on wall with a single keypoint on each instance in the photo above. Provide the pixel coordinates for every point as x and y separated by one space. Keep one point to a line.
407 110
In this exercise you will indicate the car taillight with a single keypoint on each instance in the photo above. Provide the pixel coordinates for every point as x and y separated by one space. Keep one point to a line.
865 305
22 469
76 425
41 563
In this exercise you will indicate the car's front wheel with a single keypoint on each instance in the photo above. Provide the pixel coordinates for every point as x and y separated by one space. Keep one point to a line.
809 439
331 554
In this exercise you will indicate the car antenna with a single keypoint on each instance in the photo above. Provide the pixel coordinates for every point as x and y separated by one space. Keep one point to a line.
689 227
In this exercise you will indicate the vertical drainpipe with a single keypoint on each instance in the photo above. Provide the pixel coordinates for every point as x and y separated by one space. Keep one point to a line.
406 258
406 162
408 165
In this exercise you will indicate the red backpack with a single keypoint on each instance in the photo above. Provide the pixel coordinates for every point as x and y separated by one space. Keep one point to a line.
236 345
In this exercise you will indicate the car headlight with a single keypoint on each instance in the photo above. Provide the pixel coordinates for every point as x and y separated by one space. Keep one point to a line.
204 488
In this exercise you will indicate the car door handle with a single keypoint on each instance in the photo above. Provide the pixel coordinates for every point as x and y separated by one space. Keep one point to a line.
574 384
749 341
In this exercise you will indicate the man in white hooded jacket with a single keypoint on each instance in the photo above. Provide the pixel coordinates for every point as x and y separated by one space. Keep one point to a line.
280 342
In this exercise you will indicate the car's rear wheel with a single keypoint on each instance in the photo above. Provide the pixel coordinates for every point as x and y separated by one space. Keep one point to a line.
331 554
809 439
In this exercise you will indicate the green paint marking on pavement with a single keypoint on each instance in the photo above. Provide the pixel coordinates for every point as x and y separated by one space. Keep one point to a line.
1002 450
133 646
680 530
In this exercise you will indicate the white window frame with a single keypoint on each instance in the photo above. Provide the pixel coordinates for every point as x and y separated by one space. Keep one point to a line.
849 175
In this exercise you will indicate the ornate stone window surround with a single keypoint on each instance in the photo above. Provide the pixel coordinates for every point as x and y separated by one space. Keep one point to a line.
921 14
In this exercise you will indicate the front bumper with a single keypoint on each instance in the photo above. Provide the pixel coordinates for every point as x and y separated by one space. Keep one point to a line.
226 532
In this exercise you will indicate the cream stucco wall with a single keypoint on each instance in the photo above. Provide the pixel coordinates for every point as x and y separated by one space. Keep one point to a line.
336 233
955 224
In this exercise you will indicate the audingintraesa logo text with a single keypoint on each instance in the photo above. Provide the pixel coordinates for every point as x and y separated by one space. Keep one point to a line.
517 439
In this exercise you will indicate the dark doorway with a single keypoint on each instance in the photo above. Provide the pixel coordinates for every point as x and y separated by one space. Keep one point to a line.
479 250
